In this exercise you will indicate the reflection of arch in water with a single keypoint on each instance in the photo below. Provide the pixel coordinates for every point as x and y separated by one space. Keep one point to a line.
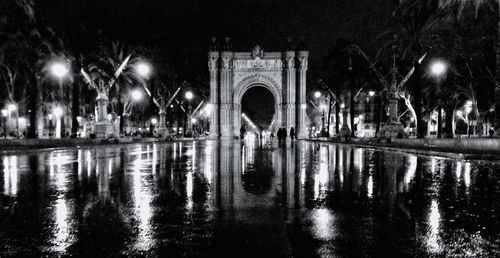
257 176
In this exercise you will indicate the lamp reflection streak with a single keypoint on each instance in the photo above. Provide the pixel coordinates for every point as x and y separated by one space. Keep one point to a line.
142 200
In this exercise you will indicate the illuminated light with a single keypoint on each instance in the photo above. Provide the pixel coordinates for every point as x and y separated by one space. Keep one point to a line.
79 119
208 109
137 95
143 69
154 121
58 112
467 175
371 93
303 106
317 94
10 175
434 224
369 186
189 95
458 171
438 68
171 105
342 105
59 69
323 224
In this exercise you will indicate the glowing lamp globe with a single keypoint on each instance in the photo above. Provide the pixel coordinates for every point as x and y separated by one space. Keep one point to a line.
59 70
136 95
189 95
58 112
143 69
438 68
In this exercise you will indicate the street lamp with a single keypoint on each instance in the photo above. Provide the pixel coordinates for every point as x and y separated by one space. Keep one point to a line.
189 95
189 130
144 69
136 95
438 69
317 94
59 69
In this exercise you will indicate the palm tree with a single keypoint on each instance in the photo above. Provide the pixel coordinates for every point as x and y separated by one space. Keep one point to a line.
456 10
412 22
110 58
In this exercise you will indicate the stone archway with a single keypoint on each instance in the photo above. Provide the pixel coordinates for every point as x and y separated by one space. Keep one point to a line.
233 73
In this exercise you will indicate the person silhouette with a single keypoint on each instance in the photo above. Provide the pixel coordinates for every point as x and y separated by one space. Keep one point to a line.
292 133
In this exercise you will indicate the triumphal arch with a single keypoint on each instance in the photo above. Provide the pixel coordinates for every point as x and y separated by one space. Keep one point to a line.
233 73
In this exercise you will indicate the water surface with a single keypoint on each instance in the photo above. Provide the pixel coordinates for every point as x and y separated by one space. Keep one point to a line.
227 199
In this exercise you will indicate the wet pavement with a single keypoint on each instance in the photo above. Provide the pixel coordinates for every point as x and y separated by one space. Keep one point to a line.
227 199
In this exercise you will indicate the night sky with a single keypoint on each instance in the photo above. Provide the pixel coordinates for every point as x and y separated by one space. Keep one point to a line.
182 29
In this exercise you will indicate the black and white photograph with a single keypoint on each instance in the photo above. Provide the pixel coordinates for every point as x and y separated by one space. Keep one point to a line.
250 128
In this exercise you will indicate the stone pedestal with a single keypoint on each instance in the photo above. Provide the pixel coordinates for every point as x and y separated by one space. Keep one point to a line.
163 133
104 130
393 128
345 131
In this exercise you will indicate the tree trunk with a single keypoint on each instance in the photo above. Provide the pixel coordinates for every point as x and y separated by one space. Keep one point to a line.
75 109
440 120
351 110
448 128
337 112
120 112
417 98
33 106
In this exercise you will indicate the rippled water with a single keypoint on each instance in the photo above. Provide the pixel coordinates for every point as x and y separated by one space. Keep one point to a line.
226 199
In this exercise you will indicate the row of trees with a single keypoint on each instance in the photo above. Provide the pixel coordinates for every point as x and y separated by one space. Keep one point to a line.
464 34
29 44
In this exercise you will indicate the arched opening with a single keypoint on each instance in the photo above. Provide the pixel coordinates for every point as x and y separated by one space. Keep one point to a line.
258 108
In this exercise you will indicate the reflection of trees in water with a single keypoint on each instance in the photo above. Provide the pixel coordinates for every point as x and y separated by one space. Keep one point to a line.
258 177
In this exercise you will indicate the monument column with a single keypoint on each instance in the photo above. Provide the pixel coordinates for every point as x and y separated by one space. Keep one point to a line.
226 105
290 106
213 58
302 56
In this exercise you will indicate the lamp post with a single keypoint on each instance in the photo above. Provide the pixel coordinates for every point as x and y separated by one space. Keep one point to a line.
189 130
58 112
4 118
50 124
438 69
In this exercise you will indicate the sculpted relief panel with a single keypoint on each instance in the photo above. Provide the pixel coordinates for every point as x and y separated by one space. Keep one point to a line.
256 77
257 63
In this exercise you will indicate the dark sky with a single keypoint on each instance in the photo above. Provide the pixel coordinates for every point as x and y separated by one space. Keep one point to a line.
182 28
